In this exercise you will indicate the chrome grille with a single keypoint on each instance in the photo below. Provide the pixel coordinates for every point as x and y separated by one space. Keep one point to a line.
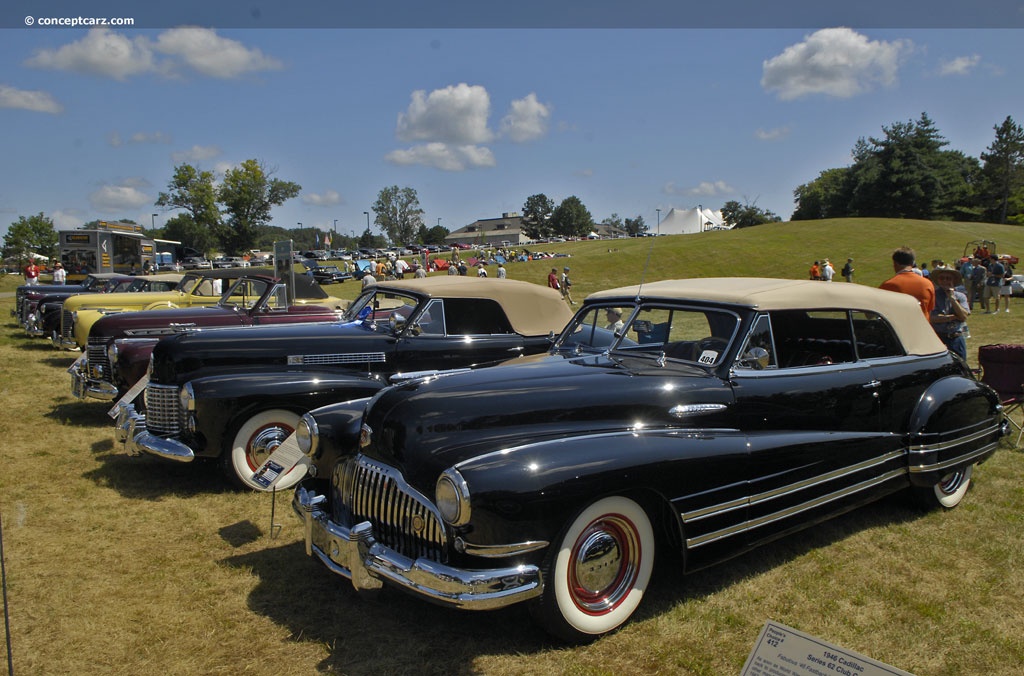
347 358
162 411
401 517
99 367
67 324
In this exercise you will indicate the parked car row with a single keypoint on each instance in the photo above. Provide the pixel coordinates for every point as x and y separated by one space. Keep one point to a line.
473 442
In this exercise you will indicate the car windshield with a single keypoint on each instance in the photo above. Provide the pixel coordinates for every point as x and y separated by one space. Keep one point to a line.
693 334
375 307
244 293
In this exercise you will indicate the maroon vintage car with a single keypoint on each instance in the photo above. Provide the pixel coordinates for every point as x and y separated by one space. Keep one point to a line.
252 300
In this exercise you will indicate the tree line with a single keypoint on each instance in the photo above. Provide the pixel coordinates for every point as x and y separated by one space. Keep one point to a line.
909 173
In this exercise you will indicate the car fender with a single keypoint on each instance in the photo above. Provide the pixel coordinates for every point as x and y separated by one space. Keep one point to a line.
956 422
222 402
534 488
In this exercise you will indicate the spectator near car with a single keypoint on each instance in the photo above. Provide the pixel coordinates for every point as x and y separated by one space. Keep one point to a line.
235 394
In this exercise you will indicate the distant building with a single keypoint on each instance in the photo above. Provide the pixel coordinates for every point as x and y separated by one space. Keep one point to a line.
508 231
504 231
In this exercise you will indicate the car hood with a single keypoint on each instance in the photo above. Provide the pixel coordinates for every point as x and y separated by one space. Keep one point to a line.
423 427
130 323
179 358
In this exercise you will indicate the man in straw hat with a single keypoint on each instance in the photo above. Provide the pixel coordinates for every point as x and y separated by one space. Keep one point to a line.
949 318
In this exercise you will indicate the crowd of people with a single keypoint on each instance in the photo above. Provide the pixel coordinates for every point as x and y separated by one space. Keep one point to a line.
947 293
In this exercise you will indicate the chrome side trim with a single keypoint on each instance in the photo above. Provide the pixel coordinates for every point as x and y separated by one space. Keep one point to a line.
931 448
498 551
795 509
958 460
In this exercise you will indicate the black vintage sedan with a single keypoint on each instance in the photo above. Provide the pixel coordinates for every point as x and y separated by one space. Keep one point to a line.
707 416
235 394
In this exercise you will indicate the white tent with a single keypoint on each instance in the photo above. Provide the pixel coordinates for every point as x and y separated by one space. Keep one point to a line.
689 221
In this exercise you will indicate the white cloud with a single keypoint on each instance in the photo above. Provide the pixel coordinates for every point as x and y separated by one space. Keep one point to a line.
210 54
67 219
196 154
108 54
585 173
527 120
772 134
453 115
702 189
836 62
444 156
962 65
328 198
23 99
113 198
100 52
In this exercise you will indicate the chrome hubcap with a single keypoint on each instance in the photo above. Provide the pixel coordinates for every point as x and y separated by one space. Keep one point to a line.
264 442
604 564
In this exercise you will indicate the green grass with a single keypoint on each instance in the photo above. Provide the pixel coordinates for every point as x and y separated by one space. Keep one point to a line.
123 565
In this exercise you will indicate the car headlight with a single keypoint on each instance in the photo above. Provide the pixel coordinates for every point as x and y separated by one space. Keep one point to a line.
307 435
112 352
451 495
187 398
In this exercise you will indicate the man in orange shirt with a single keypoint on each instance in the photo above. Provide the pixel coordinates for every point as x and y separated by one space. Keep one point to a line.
909 282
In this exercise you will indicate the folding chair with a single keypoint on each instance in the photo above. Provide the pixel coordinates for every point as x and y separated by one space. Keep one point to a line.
1002 369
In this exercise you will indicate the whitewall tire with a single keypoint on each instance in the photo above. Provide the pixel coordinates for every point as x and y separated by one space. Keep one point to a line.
598 574
254 441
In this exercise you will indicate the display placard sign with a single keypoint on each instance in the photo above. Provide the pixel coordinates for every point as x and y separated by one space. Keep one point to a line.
784 651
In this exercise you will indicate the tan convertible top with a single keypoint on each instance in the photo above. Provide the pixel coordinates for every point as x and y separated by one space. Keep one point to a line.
533 310
901 310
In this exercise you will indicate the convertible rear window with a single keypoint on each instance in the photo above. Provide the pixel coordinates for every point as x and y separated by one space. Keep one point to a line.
796 338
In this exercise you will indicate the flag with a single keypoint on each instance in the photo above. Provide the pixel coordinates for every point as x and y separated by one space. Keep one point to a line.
327 240
317 238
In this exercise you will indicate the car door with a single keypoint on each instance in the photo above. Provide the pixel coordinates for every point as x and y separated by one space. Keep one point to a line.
456 333
812 421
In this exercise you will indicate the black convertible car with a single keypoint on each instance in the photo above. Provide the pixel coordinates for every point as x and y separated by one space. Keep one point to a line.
235 394
708 416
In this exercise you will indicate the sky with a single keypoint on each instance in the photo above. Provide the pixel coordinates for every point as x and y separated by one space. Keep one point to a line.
632 108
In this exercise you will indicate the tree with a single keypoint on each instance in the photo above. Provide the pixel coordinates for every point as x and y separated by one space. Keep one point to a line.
827 196
248 194
1003 170
536 217
398 214
28 236
746 215
184 229
635 227
571 218
433 235
193 191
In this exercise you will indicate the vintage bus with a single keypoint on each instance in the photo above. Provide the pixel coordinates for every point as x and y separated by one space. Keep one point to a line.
109 247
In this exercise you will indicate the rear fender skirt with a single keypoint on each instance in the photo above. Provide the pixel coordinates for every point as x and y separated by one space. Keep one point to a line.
957 422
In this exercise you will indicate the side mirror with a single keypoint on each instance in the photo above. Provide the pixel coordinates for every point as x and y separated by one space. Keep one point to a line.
756 358
398 322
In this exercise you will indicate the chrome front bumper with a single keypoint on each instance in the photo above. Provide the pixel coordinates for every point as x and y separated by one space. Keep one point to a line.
355 554
82 386
130 431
